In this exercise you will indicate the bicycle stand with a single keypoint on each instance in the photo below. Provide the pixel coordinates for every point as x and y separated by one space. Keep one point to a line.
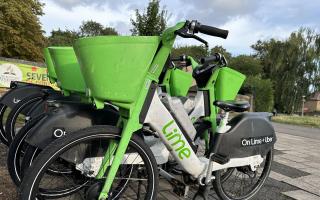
202 192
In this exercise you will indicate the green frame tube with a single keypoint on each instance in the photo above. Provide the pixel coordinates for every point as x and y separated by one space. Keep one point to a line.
130 113
132 124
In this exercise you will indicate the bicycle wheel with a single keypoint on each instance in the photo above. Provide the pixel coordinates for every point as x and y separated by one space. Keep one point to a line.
243 183
137 175
3 117
17 150
16 119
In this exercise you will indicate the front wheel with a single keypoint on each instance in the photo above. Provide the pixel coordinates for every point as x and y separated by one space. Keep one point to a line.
242 183
81 152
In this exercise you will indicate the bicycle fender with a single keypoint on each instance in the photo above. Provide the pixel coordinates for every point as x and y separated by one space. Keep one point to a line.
66 119
15 95
250 134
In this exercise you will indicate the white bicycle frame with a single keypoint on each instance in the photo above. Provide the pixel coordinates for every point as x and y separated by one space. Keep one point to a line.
173 141
163 123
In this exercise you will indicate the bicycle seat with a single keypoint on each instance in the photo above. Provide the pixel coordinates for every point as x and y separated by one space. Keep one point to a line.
237 106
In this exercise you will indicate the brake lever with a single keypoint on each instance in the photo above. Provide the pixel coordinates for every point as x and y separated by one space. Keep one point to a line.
201 40
184 33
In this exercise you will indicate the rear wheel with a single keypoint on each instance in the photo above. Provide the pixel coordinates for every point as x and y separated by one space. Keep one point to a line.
16 119
3 117
17 151
81 152
242 183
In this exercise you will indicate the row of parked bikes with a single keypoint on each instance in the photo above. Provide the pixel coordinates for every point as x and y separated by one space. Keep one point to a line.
124 120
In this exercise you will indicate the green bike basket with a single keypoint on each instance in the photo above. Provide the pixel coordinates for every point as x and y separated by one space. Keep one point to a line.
228 84
50 68
67 68
180 82
114 67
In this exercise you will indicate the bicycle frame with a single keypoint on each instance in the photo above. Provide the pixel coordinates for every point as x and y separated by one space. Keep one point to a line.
172 136
146 110
130 117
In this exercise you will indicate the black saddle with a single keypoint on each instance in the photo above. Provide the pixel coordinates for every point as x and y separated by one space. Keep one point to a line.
236 106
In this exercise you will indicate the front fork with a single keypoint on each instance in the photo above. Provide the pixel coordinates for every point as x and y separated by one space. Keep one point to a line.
130 126
115 152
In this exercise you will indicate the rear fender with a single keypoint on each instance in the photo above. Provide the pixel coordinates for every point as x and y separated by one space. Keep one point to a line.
14 96
66 119
250 134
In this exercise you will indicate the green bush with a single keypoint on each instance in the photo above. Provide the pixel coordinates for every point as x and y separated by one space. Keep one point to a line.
262 92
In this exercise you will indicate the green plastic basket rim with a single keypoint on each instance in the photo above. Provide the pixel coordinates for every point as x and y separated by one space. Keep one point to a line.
65 48
99 40
234 72
50 66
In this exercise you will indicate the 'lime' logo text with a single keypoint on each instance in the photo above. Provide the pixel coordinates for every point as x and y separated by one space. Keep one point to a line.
177 141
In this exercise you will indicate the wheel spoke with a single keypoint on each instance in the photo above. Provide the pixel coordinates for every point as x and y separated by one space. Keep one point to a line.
134 178
244 182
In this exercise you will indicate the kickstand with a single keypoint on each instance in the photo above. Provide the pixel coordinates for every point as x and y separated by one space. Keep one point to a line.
203 192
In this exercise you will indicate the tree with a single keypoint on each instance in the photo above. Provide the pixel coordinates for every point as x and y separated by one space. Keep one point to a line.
152 22
109 31
62 38
262 92
292 65
20 30
221 50
247 65
92 28
197 52
87 29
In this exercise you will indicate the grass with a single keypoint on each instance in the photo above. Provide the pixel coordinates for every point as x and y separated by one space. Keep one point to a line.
310 121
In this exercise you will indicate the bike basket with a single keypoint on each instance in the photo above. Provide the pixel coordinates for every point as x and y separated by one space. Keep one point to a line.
114 67
50 68
180 82
228 84
67 68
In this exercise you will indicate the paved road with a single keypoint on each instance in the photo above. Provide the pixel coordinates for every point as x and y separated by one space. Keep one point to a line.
299 151
313 133
295 172
296 168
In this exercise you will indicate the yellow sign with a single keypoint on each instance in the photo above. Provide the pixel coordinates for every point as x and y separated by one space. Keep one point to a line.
10 71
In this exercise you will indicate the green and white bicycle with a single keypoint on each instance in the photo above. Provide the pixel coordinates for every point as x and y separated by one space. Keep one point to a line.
156 129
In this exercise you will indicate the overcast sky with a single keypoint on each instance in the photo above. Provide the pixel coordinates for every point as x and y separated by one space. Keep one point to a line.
247 20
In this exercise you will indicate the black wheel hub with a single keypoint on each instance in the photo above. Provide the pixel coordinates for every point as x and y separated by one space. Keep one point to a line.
247 170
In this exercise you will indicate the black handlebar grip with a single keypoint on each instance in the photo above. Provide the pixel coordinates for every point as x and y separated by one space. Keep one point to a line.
214 58
180 58
213 31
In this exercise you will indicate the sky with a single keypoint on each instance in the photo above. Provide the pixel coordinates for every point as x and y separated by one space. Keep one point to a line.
247 20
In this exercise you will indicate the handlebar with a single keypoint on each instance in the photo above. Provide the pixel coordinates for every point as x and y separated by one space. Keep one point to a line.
214 58
196 27
213 31
190 28
217 57
180 58
188 61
